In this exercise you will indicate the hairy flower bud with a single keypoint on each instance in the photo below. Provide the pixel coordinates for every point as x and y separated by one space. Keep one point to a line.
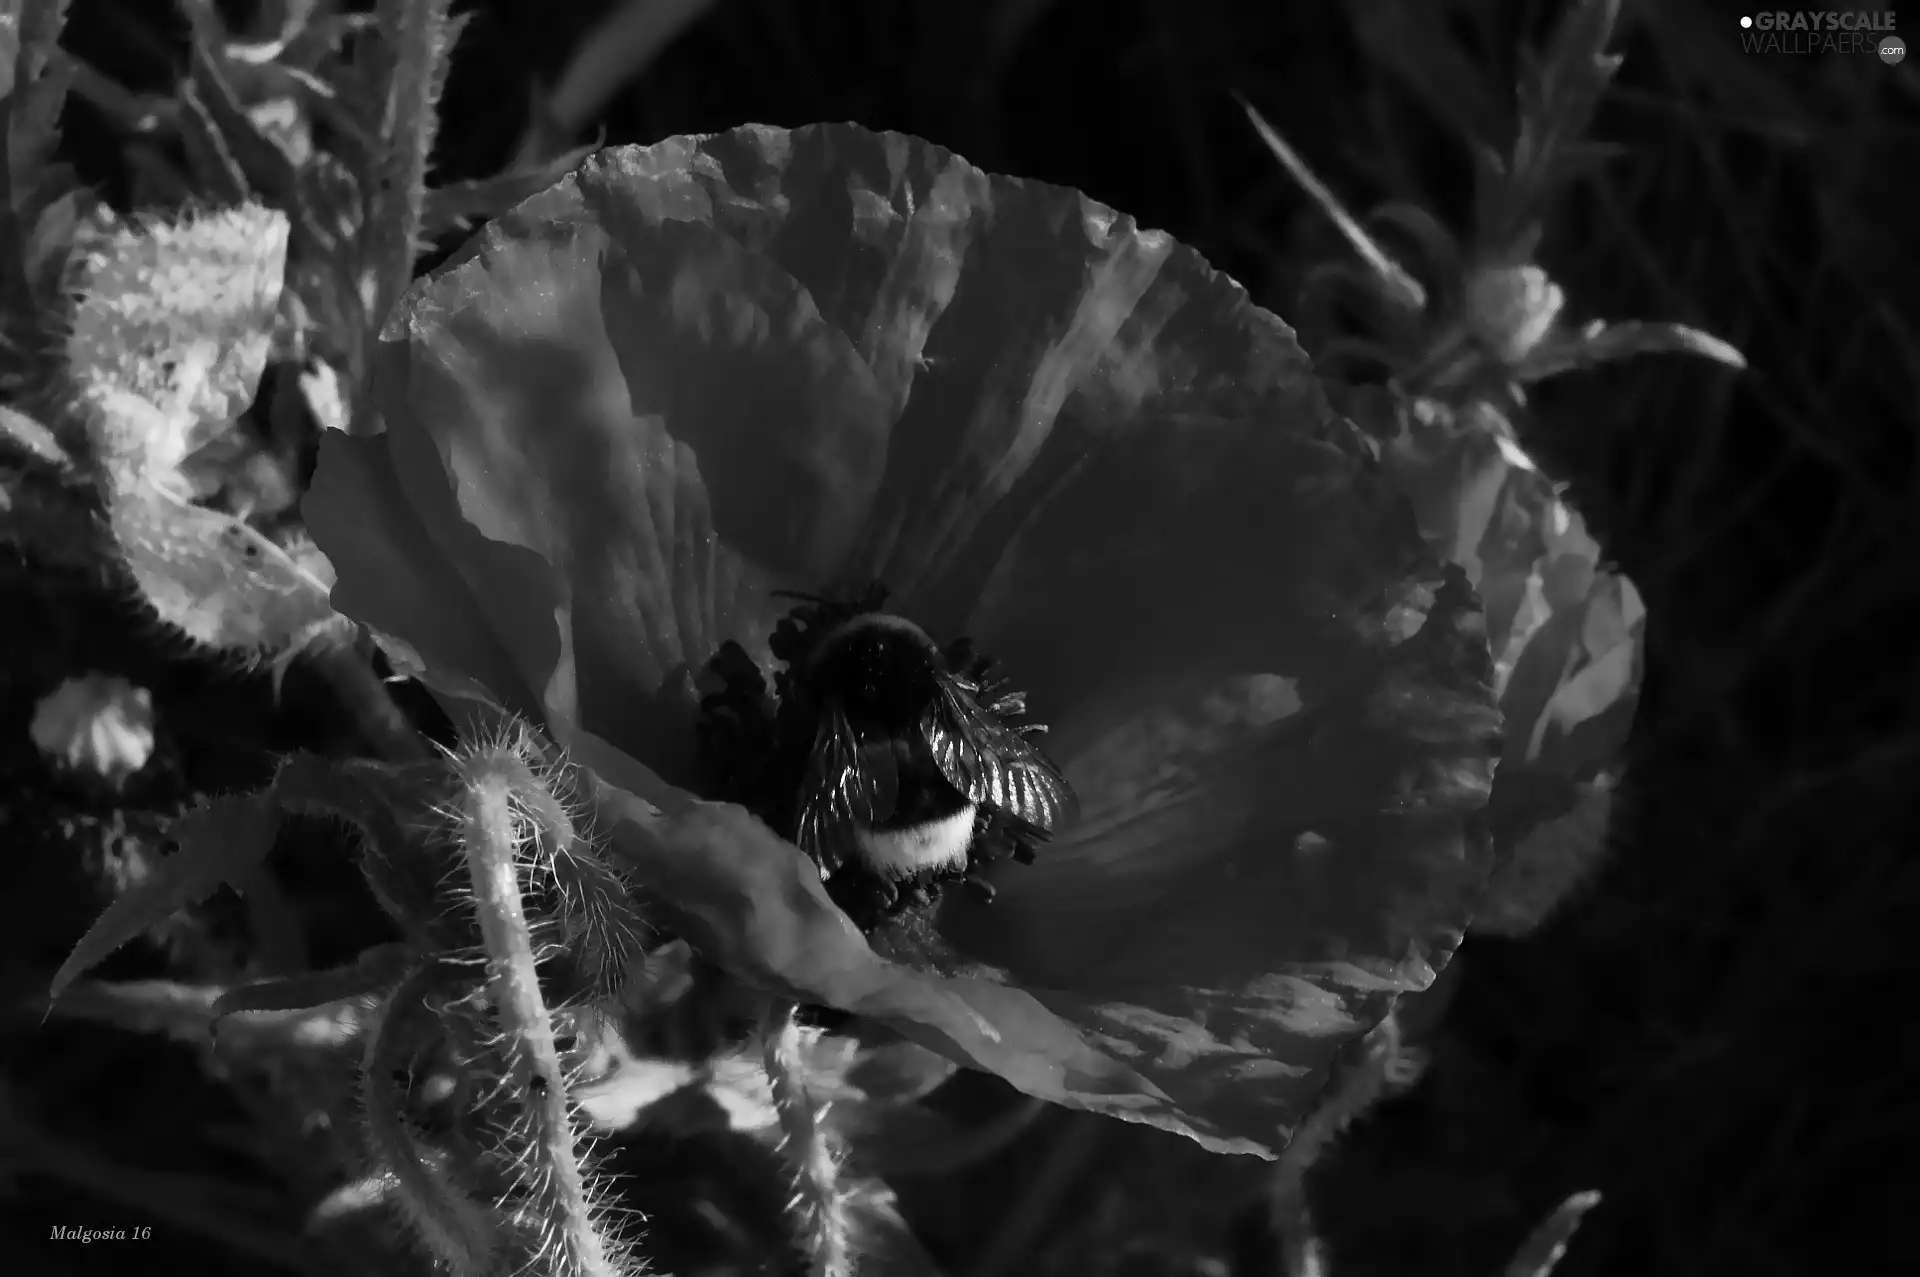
96 723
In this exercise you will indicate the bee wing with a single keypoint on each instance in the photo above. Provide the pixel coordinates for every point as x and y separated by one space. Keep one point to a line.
993 764
849 782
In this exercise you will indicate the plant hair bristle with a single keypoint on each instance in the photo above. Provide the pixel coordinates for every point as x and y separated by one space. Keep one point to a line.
529 1199
582 905
497 818
822 1228
449 1223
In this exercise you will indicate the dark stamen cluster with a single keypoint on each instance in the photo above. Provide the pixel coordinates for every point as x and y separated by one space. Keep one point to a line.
757 746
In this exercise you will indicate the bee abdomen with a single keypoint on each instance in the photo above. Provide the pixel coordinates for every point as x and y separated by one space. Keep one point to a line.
905 851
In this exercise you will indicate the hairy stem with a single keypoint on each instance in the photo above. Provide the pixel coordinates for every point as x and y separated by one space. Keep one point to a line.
492 831
1369 1069
596 907
820 1216
458 1230
420 37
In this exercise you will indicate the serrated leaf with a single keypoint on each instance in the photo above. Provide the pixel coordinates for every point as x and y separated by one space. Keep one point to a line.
1559 91
222 841
178 1010
382 802
423 34
1547 1245
24 436
184 1013
263 164
219 581
367 794
374 970
30 177
1600 345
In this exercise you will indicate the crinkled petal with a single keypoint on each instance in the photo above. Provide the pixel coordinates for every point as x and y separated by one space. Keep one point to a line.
392 574
750 901
696 372
1264 860
662 420
1565 632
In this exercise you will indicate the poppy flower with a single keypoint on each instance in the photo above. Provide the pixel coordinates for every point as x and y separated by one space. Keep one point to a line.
693 374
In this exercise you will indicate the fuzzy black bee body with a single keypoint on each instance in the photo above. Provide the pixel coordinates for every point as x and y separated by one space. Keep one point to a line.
891 761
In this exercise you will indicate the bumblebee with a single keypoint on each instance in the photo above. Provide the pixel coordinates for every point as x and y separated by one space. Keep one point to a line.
895 763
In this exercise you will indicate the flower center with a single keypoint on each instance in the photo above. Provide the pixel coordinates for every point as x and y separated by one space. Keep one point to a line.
897 764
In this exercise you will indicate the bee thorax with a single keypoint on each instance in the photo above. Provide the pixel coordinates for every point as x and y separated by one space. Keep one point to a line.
940 844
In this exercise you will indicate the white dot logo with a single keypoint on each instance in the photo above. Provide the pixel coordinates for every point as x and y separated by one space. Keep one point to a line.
1893 50
1746 22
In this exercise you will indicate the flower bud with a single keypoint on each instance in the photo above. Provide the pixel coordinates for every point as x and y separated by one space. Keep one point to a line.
96 723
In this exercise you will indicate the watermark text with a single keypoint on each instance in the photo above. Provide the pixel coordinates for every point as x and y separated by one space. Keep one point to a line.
87 1236
1805 31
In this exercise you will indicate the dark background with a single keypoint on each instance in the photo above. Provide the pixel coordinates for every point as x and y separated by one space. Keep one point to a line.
1718 1034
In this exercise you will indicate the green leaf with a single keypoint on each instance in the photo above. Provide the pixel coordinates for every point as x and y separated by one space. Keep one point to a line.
23 436
320 36
1547 1245
32 182
1605 343
184 1013
375 970
1559 91
386 804
421 35
262 164
224 840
